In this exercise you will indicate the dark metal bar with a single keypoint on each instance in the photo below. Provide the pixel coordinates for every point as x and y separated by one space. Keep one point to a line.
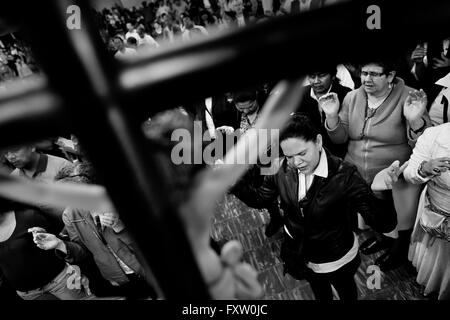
96 97
80 70
280 48
29 111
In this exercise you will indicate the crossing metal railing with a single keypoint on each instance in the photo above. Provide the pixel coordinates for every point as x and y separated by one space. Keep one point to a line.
104 103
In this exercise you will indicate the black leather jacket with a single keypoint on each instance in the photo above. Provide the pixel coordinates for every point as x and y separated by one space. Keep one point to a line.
322 221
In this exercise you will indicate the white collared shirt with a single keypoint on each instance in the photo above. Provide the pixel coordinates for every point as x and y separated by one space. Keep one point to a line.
305 181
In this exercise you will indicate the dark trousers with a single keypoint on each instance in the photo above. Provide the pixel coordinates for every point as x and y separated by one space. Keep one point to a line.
137 288
343 280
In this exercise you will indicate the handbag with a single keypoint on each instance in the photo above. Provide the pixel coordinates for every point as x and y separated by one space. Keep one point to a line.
435 221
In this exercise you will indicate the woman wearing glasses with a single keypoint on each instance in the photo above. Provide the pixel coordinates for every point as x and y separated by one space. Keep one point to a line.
379 120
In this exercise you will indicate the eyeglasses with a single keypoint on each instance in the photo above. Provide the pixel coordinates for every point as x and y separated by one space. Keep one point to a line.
373 74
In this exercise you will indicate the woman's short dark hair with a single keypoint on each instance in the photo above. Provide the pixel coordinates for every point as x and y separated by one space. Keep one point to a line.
388 66
300 126
132 41
245 95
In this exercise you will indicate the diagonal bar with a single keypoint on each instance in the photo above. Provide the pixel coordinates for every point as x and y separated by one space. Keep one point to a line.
29 111
116 145
97 96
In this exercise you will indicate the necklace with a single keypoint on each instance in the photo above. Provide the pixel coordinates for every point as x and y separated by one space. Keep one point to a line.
375 103
371 111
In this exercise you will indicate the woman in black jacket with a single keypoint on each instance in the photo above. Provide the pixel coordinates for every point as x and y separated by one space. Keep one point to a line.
320 196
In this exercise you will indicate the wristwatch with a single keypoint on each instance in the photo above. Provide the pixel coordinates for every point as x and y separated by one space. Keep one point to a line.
421 172
421 128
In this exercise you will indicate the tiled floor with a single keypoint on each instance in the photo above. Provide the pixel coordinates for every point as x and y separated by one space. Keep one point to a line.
234 220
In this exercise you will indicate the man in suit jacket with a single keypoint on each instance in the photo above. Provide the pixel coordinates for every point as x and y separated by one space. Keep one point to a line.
215 112
321 83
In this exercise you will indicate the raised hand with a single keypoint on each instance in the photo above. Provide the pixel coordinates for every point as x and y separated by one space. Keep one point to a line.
435 167
442 62
46 241
329 103
111 220
394 172
385 179
415 105
418 54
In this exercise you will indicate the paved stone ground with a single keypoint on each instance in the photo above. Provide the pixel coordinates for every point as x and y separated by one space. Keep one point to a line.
234 220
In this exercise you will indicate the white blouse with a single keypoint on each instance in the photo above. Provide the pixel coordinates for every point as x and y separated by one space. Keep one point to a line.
433 143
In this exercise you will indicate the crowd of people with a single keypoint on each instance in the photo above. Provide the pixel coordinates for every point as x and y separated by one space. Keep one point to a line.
15 60
156 23
374 155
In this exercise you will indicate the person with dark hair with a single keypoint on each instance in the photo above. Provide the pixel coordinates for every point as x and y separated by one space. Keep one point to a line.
430 62
247 106
213 113
102 236
320 195
379 120
226 275
429 247
158 32
123 52
320 83
131 31
179 7
132 43
229 20
235 8
34 165
148 13
145 40
11 63
192 30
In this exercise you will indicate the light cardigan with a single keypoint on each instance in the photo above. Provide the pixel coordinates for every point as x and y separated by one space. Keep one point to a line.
433 144
387 134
